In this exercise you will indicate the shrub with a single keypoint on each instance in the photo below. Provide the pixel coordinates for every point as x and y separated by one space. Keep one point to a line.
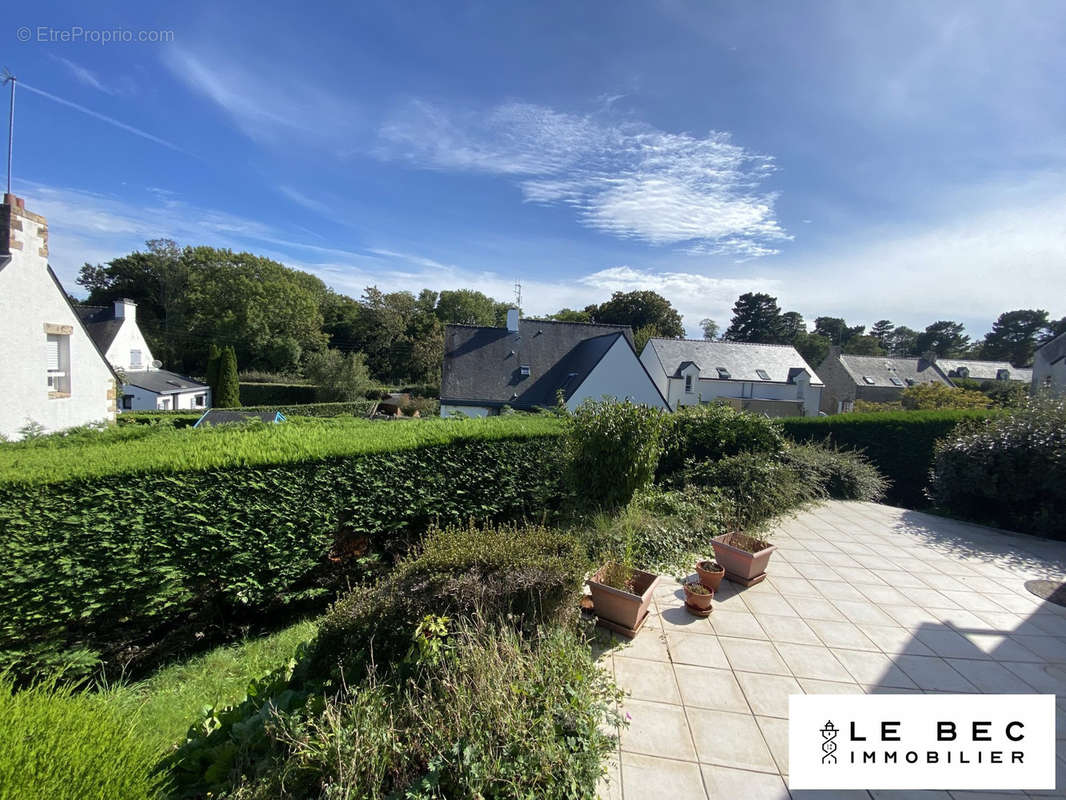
1008 471
712 431
867 407
928 396
429 390
899 444
228 392
62 745
1003 394
214 360
276 394
614 449
107 544
531 574
840 474
338 377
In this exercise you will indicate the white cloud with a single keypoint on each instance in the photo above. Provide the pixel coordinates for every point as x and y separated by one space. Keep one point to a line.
624 178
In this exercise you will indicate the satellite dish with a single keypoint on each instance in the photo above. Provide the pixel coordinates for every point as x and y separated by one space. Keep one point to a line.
156 363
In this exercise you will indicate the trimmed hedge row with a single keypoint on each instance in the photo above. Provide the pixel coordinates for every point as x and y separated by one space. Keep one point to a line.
97 563
899 443
265 394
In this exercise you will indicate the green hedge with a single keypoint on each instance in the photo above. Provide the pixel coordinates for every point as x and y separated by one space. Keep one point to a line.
106 545
267 394
899 443
183 419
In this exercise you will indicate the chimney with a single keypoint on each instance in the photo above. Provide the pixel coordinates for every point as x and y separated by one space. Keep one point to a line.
929 356
512 320
835 350
22 232
125 309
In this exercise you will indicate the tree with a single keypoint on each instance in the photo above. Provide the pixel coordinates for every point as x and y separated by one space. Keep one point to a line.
466 307
642 334
1055 327
943 337
881 329
864 345
1014 336
902 341
710 328
214 357
229 387
812 347
756 318
637 310
571 315
836 330
925 396
792 325
338 377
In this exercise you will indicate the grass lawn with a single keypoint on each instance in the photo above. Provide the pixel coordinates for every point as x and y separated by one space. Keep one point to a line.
166 704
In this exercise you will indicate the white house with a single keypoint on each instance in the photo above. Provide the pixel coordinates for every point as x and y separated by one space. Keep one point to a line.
1049 366
145 386
529 362
53 374
771 379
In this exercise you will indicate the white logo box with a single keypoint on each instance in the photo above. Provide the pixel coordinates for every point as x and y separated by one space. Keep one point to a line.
1020 728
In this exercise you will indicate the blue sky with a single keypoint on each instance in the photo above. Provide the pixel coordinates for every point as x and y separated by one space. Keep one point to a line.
898 160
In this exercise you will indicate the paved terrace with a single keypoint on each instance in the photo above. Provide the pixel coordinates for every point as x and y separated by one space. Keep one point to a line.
860 598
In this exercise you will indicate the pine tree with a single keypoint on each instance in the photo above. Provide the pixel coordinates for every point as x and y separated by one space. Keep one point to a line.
211 374
229 388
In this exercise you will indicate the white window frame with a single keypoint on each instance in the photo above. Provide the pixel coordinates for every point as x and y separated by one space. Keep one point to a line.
136 356
57 364
688 384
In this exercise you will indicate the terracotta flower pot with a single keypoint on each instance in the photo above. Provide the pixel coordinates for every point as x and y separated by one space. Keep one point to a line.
698 601
711 574
623 608
743 557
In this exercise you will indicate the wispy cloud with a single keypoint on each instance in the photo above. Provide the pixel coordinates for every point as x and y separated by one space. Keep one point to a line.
625 178
87 77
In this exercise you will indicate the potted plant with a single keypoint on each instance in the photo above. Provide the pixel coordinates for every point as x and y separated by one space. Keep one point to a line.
743 557
711 574
621 596
698 598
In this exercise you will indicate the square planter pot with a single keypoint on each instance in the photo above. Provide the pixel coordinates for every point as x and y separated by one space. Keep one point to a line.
620 610
742 566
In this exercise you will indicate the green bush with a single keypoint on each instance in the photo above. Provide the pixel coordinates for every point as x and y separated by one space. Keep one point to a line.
338 376
530 574
1008 471
276 394
840 474
62 745
228 392
429 390
102 548
614 449
1003 394
712 431
900 444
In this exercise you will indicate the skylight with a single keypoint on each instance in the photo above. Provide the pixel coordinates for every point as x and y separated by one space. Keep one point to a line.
523 370
723 373
896 381
763 374
868 379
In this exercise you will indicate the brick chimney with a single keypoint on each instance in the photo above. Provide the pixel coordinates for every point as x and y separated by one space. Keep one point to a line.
125 309
22 231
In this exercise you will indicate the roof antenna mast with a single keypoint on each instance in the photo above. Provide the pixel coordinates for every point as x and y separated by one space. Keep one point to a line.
518 294
5 78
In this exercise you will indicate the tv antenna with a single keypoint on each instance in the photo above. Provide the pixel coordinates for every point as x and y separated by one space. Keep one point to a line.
518 294
5 78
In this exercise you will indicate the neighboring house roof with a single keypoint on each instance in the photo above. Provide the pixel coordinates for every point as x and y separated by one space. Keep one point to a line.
982 370
1054 351
225 416
162 382
484 366
101 324
102 351
781 362
891 372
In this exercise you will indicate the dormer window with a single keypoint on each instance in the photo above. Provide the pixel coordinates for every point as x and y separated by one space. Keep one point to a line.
868 380
524 370
896 381
763 374
1002 374
723 373
688 384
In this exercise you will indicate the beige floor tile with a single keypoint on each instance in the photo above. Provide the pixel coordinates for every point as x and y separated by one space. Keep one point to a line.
815 608
962 620
931 598
948 643
840 590
704 687
1005 622
913 617
900 580
775 732
648 644
873 669
742 626
811 686
841 634
729 740
647 776
884 595
697 649
768 694
1049 648
751 655
787 629
656 729
808 661
1049 623
817 573
724 783
768 604
990 677
609 786
646 680
793 587
863 612
678 619
895 640
1003 648
933 674
1046 678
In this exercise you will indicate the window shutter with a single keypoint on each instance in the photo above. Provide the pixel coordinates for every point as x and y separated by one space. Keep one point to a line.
53 353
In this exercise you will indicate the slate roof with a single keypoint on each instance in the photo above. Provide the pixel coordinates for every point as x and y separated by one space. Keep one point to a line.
100 323
882 369
225 416
70 304
483 366
1055 350
162 382
780 361
983 370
